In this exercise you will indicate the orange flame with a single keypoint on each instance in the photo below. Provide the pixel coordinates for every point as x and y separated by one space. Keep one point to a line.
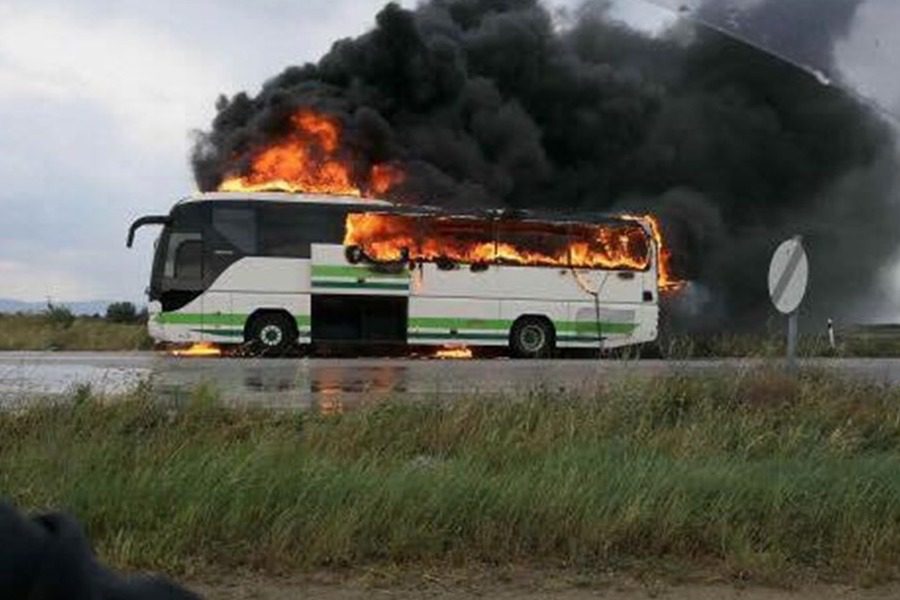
668 282
310 159
454 353
392 238
201 350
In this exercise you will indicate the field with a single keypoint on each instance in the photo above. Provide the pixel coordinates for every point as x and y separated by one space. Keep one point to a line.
41 333
748 477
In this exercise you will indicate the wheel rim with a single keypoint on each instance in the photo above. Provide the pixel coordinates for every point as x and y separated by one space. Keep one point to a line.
533 338
271 335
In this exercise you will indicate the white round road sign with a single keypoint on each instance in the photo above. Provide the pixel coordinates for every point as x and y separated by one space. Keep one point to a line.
789 276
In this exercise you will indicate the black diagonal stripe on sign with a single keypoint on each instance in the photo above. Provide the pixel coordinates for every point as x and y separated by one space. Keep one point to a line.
788 274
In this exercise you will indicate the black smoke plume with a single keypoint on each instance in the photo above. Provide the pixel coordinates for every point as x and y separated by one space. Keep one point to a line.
500 102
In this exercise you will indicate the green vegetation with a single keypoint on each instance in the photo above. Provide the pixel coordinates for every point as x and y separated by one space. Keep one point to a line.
856 342
125 312
874 340
746 473
58 329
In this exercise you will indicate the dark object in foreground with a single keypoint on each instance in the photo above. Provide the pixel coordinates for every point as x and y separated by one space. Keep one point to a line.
48 558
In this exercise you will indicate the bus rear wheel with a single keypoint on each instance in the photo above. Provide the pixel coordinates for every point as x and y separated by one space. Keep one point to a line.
532 337
271 334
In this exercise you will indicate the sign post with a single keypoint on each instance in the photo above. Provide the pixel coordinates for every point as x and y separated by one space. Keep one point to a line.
788 280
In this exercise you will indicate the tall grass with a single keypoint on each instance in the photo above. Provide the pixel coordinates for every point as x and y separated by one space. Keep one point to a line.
857 343
748 472
39 332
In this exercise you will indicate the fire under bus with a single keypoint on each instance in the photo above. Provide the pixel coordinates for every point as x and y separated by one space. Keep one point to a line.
273 270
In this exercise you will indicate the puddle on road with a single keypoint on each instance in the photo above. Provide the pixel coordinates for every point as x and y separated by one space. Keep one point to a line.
24 383
277 384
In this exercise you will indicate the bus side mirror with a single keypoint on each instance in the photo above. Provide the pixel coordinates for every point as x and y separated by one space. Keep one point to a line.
142 222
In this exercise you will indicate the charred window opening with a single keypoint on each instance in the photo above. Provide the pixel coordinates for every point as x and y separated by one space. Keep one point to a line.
626 245
531 243
450 241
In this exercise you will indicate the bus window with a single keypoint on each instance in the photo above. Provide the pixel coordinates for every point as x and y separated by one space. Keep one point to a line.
289 231
384 238
238 226
323 224
620 247
189 261
532 243
457 240
185 257
281 232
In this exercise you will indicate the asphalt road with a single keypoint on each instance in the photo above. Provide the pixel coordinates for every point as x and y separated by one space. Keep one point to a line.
31 377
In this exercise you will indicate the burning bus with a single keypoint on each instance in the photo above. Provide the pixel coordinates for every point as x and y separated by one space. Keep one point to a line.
274 270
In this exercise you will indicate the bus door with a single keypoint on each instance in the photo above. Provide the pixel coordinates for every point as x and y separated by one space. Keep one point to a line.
233 234
356 300
182 285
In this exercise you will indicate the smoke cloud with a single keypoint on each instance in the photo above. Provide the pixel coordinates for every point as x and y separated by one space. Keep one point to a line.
501 103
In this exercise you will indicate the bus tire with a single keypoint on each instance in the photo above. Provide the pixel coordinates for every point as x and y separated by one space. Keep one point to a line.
272 334
532 337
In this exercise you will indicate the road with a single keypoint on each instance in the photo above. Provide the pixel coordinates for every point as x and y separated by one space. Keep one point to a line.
301 383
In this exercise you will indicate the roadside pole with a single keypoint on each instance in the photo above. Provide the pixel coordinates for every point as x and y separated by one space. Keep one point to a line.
831 340
793 322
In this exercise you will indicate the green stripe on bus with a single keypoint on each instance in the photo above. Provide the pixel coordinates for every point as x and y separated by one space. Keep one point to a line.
201 319
590 329
355 272
360 286
233 332
462 336
563 327
221 332
462 323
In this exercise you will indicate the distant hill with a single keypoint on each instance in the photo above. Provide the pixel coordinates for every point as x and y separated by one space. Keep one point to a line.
90 307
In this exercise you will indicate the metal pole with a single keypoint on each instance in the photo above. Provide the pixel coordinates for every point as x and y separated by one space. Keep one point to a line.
792 341
831 341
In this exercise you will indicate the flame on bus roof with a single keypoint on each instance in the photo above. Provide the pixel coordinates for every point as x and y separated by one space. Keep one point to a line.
310 158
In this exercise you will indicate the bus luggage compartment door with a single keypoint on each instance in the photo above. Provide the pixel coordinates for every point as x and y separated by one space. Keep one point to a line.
353 319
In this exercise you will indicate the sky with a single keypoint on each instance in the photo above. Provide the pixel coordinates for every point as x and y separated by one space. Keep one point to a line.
99 98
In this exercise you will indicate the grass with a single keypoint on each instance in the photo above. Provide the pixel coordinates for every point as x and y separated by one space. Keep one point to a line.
39 332
753 473
859 342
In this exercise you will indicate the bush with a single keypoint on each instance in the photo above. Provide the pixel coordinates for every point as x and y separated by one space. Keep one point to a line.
122 312
59 316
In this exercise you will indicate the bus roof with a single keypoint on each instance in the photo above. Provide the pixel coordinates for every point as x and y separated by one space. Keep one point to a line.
416 210
282 197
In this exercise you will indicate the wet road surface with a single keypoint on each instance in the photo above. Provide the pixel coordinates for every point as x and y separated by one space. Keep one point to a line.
301 383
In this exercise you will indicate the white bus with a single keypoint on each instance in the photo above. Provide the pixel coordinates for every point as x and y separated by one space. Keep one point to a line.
272 270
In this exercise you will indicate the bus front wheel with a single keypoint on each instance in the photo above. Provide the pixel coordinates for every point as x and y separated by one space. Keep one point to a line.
532 337
272 334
